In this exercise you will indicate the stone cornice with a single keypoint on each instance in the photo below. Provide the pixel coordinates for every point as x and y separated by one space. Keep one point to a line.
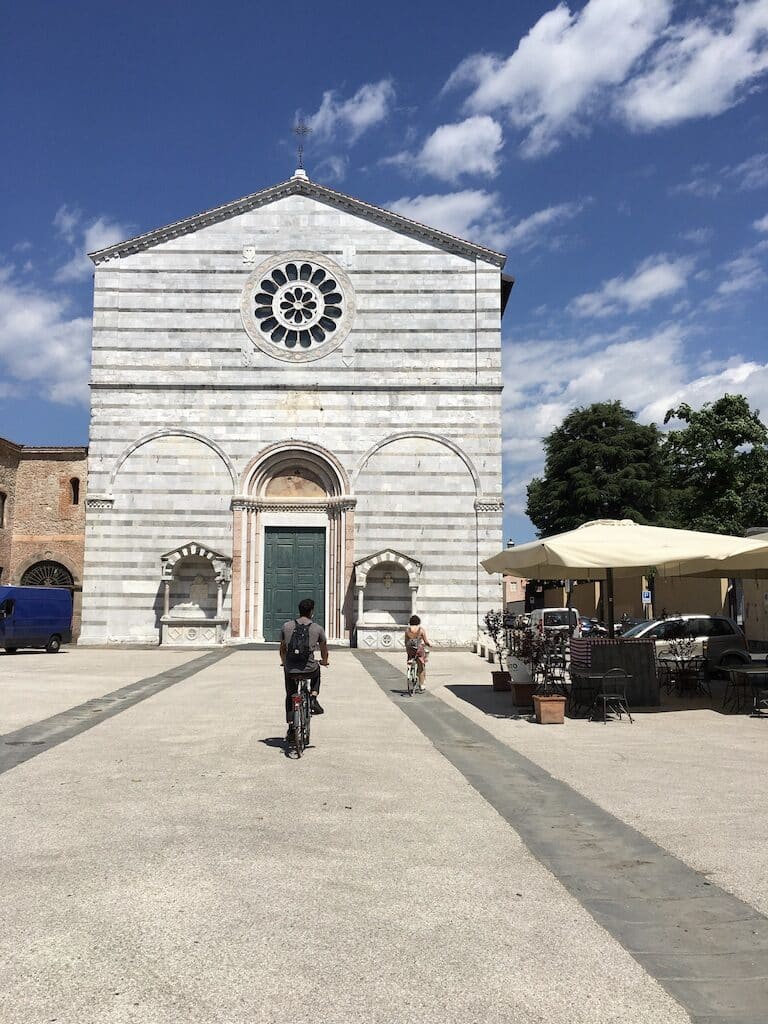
251 386
340 503
489 504
99 501
302 187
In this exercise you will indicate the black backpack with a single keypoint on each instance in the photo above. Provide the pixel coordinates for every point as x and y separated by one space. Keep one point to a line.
298 652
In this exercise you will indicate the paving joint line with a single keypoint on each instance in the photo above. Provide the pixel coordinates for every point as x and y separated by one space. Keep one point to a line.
31 740
704 946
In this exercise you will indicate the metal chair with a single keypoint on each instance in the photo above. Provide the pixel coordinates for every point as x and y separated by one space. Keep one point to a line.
612 695
737 691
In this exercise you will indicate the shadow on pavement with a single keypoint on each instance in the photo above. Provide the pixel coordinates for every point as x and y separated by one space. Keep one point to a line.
490 702
278 742
20 652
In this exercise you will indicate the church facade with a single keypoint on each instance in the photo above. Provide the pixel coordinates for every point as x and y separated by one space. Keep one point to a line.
294 394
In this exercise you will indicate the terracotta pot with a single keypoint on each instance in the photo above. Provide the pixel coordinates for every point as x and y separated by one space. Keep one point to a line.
522 694
501 681
549 710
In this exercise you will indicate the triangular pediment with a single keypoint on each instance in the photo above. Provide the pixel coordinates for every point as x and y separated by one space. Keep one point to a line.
302 186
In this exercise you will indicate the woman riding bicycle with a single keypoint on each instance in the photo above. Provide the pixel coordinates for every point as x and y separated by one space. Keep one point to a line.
416 642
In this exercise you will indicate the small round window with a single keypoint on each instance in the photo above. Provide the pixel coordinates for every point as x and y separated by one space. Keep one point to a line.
297 306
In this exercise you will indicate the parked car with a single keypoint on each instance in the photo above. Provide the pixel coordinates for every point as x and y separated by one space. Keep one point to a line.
35 617
715 637
556 620
592 627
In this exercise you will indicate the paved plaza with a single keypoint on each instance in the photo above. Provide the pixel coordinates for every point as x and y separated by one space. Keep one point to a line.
435 858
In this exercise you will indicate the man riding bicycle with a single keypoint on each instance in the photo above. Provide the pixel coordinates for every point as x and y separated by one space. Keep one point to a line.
299 639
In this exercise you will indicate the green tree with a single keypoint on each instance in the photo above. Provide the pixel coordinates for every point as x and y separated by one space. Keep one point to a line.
718 467
600 464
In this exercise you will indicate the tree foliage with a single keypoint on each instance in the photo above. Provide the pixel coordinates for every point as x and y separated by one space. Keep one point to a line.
600 464
718 467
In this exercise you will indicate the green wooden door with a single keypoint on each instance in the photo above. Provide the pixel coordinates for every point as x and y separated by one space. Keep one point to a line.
294 568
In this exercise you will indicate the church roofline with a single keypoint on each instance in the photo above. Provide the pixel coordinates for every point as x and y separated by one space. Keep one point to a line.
302 186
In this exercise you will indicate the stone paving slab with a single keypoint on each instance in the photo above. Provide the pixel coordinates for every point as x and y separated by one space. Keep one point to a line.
35 685
170 864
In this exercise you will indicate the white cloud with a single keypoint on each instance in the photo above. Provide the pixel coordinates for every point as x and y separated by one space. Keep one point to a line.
98 234
332 168
761 224
706 183
369 106
66 220
624 58
562 70
42 348
655 278
701 69
530 230
468 147
752 173
479 216
698 236
742 274
702 186
458 213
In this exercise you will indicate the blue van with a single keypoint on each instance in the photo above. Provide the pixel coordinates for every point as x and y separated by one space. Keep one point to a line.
35 617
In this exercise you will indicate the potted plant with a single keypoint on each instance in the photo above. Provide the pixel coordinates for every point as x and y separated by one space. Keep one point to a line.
494 627
548 703
523 689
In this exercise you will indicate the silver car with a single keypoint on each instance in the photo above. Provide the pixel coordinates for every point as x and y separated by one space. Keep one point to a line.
715 637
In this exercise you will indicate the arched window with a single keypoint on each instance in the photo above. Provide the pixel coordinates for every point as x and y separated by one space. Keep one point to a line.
74 487
3 497
47 574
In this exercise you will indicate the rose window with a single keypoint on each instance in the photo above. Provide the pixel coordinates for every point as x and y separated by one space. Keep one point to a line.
298 305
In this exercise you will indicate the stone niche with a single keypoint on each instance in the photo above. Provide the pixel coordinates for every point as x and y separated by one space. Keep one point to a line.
387 585
194 579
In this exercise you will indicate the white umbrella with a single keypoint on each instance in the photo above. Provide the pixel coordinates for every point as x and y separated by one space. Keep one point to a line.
590 551
606 548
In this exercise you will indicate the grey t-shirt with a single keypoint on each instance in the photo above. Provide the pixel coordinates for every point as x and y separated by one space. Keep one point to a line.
316 637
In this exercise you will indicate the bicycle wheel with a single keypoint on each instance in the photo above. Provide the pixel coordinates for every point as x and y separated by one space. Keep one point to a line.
411 676
298 732
307 719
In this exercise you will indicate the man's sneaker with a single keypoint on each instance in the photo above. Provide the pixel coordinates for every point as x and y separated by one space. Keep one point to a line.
316 708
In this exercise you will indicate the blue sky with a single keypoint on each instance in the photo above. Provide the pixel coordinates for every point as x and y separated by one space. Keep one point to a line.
617 151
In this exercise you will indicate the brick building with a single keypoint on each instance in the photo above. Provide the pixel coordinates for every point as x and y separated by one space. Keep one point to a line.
42 517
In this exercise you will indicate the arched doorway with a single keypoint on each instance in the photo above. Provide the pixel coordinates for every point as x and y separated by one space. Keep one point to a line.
293 536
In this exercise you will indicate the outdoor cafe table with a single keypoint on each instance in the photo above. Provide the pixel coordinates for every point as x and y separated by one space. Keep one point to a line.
686 674
755 676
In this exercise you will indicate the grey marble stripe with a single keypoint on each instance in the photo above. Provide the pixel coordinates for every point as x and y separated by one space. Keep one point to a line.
247 385
244 272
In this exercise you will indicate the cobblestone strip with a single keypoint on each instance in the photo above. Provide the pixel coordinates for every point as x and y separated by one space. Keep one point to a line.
707 948
23 744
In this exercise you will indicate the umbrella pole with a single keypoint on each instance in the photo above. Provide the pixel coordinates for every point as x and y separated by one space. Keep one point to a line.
609 602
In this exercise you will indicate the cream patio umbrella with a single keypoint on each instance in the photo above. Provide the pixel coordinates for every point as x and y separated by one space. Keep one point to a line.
608 548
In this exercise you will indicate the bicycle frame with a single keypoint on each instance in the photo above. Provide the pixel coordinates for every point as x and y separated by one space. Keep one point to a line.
412 673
